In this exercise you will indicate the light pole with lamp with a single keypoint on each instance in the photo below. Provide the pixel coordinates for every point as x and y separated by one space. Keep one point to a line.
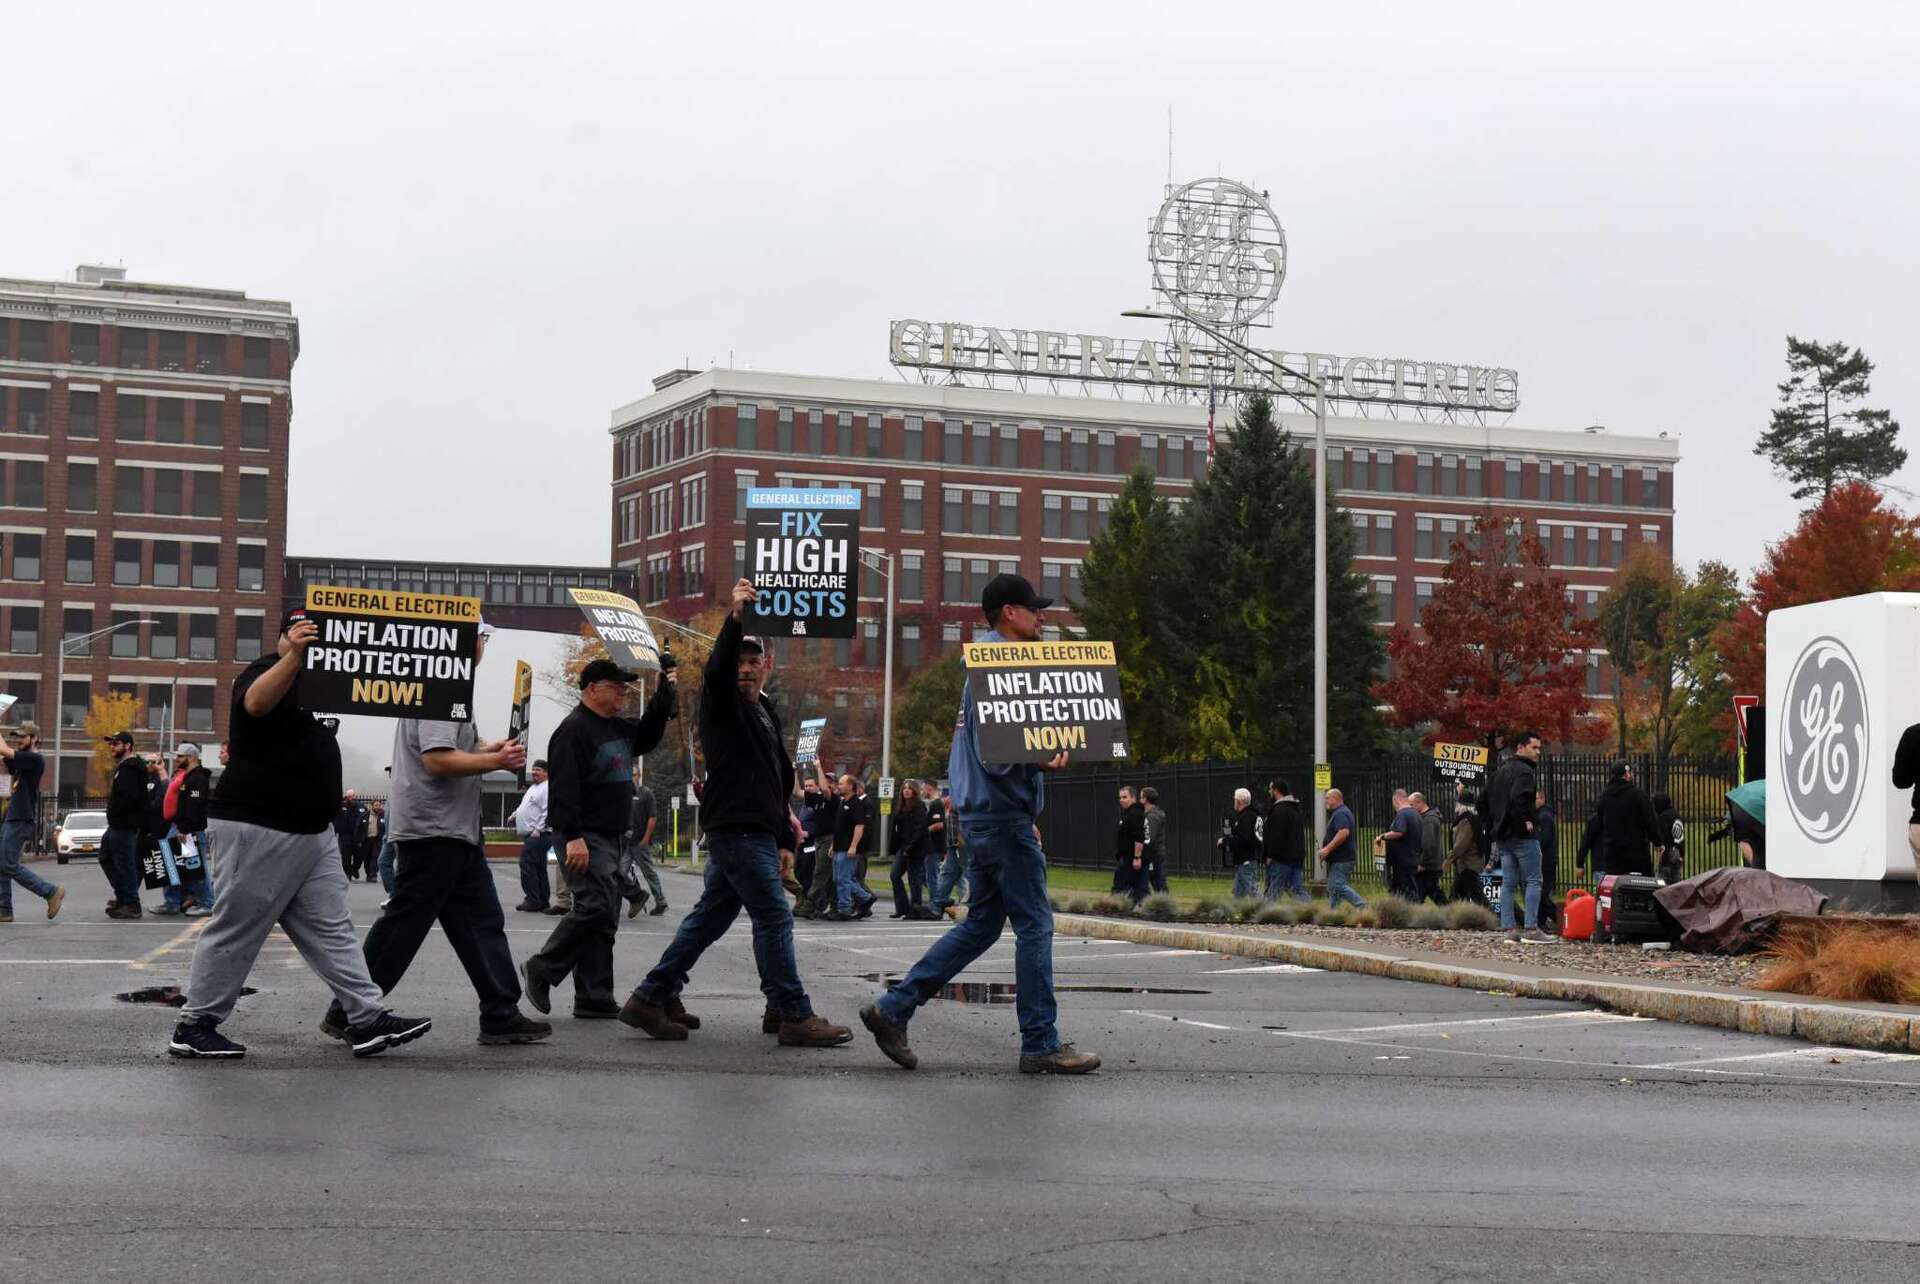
60 691
1319 409
886 696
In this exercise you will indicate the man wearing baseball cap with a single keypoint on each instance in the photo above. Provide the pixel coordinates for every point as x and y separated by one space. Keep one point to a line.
589 800
997 804
120 846
271 821
750 842
25 765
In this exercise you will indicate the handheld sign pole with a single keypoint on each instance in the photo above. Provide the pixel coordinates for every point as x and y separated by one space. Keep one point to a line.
520 715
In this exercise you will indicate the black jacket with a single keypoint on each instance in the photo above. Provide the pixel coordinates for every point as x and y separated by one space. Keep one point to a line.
910 831
1133 829
1906 767
350 825
1243 835
127 796
154 816
749 775
1509 799
822 808
590 767
190 808
1284 841
1621 829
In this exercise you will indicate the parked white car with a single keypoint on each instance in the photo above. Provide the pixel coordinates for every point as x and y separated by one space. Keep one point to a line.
79 834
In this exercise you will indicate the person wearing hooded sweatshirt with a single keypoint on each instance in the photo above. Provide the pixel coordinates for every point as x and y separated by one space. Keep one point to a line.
1622 826
1283 844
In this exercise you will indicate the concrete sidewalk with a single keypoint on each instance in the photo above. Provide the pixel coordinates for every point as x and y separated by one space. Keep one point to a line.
1854 1025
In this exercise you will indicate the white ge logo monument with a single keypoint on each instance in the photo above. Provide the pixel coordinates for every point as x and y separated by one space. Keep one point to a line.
1823 740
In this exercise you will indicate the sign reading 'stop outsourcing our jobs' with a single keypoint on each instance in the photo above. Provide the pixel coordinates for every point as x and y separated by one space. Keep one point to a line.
803 551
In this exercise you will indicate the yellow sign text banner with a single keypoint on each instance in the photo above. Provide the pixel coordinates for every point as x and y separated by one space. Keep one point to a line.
1474 755
600 597
389 602
1020 655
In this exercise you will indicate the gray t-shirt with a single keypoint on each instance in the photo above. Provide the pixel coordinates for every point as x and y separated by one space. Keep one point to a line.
428 806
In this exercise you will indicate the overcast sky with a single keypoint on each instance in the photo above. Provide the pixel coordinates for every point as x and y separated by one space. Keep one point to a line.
496 223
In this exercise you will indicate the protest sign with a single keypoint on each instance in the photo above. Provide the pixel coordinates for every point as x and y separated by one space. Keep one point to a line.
622 628
806 750
520 715
1462 764
391 654
1033 700
803 550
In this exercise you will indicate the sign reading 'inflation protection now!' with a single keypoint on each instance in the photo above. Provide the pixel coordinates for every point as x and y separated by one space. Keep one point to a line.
389 654
1033 700
622 628
803 549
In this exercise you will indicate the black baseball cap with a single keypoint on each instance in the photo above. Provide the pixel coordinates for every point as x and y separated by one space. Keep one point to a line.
1010 590
293 616
604 671
120 737
753 642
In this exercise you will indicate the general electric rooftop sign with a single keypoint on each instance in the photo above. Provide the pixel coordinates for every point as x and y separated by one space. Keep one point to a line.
1219 256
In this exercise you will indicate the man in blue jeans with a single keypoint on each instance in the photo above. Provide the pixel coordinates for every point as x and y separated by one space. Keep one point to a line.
25 765
120 846
536 840
1339 850
997 805
749 846
1511 802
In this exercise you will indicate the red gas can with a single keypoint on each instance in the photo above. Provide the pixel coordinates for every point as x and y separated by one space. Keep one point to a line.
1577 919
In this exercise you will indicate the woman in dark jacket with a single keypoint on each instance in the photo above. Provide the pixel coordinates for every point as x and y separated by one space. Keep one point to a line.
910 856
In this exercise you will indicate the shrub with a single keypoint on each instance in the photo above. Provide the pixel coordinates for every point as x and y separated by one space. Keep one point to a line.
1281 914
1366 916
1864 963
1211 909
1429 917
1161 907
1113 905
1334 916
1057 902
1392 911
1245 907
1465 916
1079 905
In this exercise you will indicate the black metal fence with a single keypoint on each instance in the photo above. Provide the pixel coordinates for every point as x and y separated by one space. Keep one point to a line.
1083 810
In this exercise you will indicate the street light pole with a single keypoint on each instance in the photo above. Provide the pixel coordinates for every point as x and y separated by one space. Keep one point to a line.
1319 409
886 697
60 692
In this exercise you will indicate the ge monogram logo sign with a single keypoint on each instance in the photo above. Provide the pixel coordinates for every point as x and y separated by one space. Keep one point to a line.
1219 254
1823 740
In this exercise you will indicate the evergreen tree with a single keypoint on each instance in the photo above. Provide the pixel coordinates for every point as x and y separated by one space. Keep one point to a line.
1818 438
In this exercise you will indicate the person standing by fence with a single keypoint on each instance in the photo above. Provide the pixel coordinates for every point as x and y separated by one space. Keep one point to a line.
1241 843
1283 844
1469 855
1402 844
1511 800
1156 840
1433 852
1130 848
1338 850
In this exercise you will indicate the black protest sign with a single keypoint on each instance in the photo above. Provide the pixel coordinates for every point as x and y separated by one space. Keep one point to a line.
803 550
520 715
806 749
389 654
622 628
1033 700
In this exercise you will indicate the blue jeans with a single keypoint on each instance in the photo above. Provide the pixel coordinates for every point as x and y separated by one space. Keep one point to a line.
13 842
953 875
120 859
1246 880
1008 873
533 870
743 872
1519 860
1286 880
1340 884
389 854
848 895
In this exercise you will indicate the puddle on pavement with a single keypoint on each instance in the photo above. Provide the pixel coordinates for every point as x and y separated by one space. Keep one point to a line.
166 996
1005 991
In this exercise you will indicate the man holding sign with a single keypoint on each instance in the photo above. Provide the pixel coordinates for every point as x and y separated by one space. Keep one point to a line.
997 803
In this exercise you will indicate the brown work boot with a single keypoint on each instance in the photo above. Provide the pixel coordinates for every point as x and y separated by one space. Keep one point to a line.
652 1018
890 1037
1062 1060
677 1013
814 1032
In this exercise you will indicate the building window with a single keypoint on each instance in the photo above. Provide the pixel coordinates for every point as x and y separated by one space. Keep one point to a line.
249 640
982 513
1104 461
1150 452
1449 474
1007 514
1422 597
1050 580
660 508
871 510
911 516
1176 457
869 574
208 423
252 569
1510 479
169 420
979 570
1649 534
173 350
952 587
130 417
199 708
254 358
83 344
693 572
1050 507
910 587
160 705
1617 547
876 445
950 633
1591 494
1078 455
133 348
83 415
253 425
168 491
1077 507
1423 481
1475 486
124 641
952 514
816 432
1569 546
166 563
253 497
201 630
29 483
1383 535
1593 676
74 698
746 427
1050 449
659 571
205 560
1383 601
1423 537
1383 470
25 693
982 445
79 559
24 635
914 430
1593 546
843 433
126 561
954 443
30 411
742 483
128 490
1009 446
783 430
26 557
910 646
210 353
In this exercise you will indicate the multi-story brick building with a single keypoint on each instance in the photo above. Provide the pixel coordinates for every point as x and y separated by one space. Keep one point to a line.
143 460
963 482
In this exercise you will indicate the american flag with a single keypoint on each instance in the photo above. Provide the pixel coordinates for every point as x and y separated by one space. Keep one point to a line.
1212 442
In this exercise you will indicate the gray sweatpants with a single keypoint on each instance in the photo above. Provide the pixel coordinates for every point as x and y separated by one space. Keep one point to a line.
295 880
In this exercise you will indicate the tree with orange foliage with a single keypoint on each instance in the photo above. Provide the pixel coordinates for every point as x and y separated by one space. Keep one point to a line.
1854 542
1502 648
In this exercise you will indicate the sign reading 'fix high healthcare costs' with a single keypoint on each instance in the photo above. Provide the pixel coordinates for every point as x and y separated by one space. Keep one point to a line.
1033 700
622 628
803 549
806 749
389 654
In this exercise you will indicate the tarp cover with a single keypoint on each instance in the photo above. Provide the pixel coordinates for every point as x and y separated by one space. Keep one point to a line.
1731 911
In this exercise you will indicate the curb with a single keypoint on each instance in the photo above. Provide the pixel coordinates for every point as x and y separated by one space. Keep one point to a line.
1873 1028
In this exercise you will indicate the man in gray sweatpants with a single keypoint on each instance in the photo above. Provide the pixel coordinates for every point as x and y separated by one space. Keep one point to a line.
272 823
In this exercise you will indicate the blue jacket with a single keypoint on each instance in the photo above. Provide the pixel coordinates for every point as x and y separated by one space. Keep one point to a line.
1006 791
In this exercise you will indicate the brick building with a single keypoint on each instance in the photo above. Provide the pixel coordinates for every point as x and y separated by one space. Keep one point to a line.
143 469
964 482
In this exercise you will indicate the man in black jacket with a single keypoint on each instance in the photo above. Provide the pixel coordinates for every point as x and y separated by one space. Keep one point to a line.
349 830
1622 826
824 810
749 846
1242 844
1510 803
190 823
1283 844
1130 848
589 804
120 848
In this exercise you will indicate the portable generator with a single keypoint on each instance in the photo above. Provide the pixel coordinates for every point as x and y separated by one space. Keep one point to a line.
1628 911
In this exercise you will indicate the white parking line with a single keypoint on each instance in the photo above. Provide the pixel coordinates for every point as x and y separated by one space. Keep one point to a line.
1166 1016
1842 1056
1270 967
1594 1017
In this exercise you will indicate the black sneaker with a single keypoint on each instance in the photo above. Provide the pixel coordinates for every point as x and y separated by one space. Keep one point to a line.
518 1030
334 1023
865 911
197 1039
636 904
385 1031
595 1011
539 992
659 908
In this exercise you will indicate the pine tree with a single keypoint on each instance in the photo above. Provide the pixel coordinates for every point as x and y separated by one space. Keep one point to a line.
1817 439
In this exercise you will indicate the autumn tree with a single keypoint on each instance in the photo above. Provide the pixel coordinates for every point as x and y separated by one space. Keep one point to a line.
1853 542
1658 624
923 716
106 714
1819 437
1500 647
